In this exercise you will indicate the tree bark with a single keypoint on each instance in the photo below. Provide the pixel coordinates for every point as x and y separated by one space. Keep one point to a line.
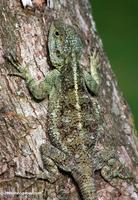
23 121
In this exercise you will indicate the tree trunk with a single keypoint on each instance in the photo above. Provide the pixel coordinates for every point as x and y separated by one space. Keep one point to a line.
23 121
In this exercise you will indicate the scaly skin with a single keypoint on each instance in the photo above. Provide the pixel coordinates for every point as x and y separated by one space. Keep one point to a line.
70 113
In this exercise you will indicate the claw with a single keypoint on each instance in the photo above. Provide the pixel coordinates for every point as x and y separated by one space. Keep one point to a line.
16 74
51 178
14 61
9 56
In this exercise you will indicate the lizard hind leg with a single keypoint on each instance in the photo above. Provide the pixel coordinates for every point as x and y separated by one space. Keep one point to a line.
53 158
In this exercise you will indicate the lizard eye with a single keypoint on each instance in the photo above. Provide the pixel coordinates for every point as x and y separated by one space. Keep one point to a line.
57 33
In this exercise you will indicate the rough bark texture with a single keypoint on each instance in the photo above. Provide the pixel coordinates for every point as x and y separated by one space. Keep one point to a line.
23 121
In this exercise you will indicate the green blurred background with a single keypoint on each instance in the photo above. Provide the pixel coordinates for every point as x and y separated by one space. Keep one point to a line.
117 25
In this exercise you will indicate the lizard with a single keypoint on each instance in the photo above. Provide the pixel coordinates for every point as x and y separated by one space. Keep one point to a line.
68 87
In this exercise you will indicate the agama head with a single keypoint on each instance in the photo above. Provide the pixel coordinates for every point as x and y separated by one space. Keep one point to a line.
62 42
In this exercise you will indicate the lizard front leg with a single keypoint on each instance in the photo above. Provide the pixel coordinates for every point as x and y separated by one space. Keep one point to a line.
38 90
92 79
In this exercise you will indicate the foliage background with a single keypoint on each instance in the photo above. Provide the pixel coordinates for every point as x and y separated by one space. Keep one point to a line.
117 24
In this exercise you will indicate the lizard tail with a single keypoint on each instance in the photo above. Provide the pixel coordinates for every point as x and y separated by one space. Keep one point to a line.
85 182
